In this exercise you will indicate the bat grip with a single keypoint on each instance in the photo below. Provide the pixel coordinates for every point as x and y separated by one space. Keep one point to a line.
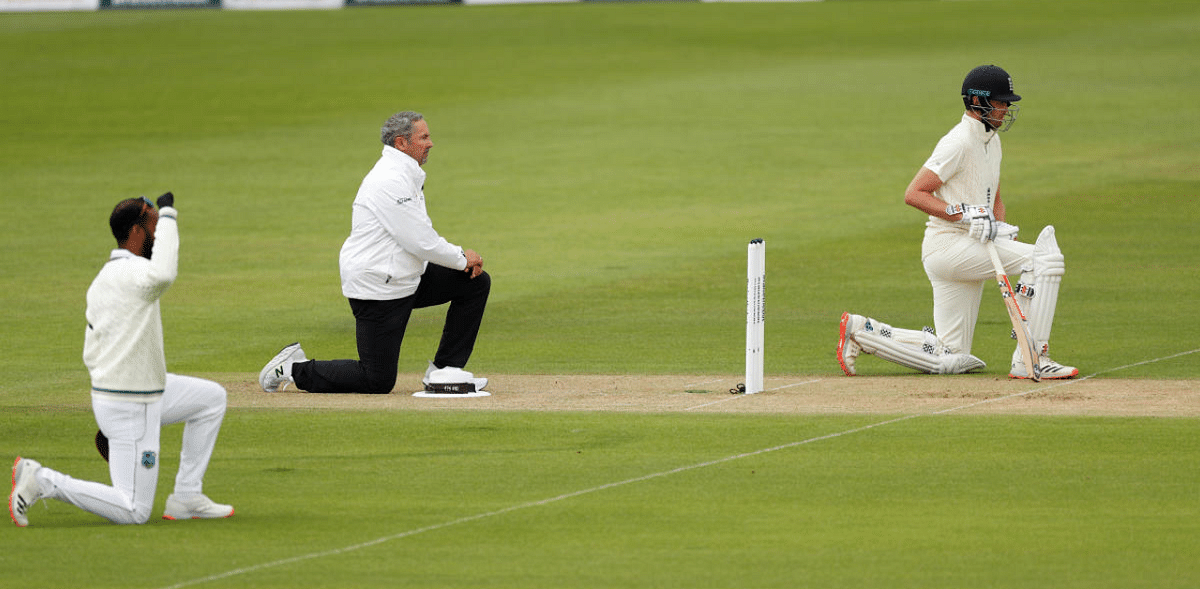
995 256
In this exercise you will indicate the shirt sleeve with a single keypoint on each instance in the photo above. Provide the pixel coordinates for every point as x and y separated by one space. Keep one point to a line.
947 158
164 257
401 212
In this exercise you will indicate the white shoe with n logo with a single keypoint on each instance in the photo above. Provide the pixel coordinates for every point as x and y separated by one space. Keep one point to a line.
278 371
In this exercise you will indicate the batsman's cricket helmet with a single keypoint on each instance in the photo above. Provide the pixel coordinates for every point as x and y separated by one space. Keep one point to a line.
989 81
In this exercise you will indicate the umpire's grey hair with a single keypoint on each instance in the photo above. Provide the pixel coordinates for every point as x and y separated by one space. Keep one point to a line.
399 125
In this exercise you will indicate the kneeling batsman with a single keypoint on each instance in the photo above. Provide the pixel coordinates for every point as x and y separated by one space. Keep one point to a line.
967 242
1042 267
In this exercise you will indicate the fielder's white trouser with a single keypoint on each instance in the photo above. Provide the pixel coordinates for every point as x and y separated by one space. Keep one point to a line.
958 267
133 431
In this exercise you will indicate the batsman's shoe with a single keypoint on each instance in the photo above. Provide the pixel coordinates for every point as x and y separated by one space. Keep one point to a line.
25 490
278 372
452 380
195 507
848 349
1051 370
960 363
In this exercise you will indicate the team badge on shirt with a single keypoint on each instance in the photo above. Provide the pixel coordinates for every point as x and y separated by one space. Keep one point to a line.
149 458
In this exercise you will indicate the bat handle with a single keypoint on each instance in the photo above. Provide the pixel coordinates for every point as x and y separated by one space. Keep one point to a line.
991 248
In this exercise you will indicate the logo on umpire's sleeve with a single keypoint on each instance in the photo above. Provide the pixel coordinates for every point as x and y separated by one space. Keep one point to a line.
148 459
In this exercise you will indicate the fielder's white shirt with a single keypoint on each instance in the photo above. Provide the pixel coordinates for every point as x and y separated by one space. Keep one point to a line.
123 342
967 160
391 236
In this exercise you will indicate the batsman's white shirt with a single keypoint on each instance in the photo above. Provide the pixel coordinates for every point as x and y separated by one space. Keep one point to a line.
391 236
967 160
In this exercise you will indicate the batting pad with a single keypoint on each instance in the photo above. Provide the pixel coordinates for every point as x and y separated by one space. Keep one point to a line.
1046 278
906 347
919 350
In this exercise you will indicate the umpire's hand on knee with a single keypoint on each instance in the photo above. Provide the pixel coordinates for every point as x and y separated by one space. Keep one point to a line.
474 263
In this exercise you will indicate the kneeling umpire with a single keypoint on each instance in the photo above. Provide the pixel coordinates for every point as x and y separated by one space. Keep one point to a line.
394 261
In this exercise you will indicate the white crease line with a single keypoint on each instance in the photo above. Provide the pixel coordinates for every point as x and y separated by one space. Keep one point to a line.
795 384
1062 383
733 397
463 520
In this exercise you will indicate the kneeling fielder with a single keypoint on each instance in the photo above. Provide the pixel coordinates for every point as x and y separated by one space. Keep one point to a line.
959 188
133 395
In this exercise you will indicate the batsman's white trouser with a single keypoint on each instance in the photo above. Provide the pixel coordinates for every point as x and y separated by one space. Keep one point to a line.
958 267
133 450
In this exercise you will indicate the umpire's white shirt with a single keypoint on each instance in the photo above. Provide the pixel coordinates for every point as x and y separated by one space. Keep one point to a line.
967 160
391 236
123 344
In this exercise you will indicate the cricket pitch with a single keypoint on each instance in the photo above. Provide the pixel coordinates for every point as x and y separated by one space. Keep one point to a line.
822 394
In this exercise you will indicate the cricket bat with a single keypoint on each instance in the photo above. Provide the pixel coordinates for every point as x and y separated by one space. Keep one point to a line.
1029 351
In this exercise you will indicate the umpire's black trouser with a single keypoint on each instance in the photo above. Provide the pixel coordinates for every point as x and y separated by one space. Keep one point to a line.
379 330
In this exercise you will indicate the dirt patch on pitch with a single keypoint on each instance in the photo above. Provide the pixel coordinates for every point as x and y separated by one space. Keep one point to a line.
822 394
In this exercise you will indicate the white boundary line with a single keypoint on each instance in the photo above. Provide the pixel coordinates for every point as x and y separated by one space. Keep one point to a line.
665 473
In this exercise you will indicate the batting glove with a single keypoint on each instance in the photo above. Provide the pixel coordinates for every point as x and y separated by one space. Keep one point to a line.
986 230
166 200
982 229
970 212
1006 231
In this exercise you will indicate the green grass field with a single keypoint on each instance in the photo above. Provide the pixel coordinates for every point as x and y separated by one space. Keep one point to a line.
610 161
930 502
